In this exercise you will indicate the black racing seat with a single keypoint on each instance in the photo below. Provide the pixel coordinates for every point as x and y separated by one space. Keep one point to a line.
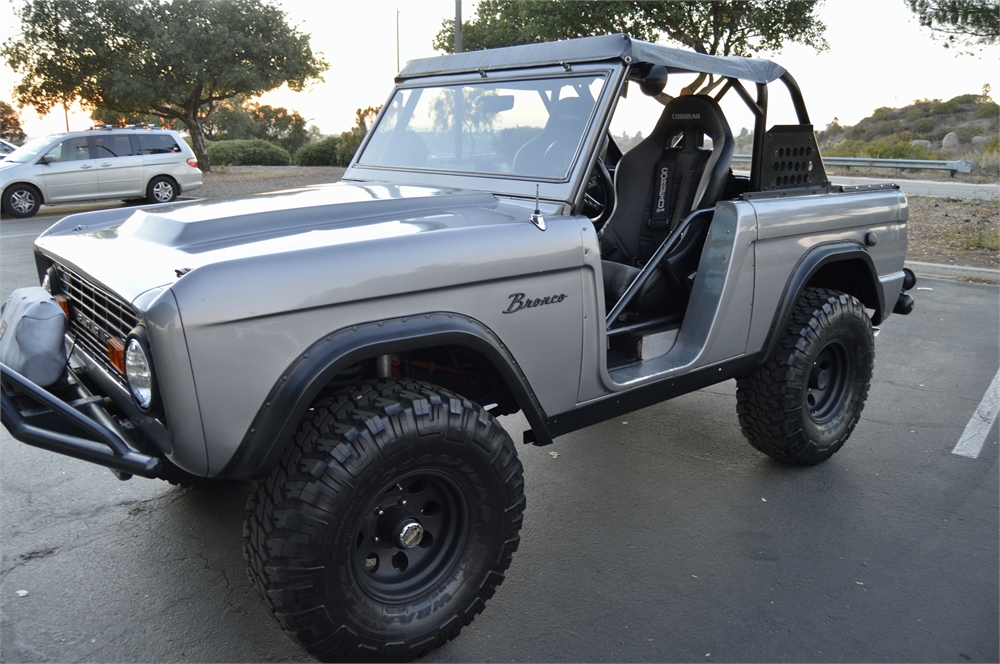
658 183
550 152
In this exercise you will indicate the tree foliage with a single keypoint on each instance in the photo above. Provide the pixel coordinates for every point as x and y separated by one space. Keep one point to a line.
240 119
339 150
715 27
175 59
350 140
960 22
10 124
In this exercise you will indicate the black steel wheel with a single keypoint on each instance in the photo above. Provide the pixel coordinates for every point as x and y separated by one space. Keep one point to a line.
411 536
388 523
21 200
828 385
801 406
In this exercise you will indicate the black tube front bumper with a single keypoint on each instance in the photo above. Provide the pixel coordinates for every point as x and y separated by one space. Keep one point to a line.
74 424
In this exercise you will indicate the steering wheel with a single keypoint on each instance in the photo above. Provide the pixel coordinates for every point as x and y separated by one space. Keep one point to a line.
599 198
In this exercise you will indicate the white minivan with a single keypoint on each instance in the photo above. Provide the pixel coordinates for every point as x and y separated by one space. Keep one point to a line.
153 164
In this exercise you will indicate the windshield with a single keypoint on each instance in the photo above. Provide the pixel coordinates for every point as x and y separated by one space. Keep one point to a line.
528 128
30 150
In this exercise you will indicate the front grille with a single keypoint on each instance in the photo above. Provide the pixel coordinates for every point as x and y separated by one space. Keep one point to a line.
96 316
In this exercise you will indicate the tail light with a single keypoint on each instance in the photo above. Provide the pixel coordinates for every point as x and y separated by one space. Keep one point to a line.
192 162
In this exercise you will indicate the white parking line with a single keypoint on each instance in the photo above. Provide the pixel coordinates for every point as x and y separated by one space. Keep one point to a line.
974 436
4 237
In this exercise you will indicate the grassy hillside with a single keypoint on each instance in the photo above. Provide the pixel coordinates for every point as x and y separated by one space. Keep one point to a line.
918 131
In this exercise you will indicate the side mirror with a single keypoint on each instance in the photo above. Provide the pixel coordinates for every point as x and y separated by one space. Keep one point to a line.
653 81
46 160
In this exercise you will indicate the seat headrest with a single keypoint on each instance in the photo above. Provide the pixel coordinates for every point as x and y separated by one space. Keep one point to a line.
692 113
573 109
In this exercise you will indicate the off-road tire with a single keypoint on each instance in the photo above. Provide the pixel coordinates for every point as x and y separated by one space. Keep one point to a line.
162 189
21 201
804 402
357 453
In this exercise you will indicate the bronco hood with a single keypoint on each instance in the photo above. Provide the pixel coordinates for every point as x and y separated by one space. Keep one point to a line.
131 251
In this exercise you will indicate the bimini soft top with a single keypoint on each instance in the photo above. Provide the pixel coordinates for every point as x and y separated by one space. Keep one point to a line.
591 49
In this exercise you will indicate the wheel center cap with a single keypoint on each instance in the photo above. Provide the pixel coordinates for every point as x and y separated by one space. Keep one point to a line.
409 533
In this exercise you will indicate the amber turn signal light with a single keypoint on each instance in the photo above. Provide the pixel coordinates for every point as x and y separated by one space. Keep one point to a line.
116 353
63 303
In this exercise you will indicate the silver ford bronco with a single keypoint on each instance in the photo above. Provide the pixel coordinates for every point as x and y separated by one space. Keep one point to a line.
491 249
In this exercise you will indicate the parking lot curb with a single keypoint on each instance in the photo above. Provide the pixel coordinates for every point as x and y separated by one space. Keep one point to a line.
952 271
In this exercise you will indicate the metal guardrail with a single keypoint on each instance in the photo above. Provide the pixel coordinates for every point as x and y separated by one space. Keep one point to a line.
962 166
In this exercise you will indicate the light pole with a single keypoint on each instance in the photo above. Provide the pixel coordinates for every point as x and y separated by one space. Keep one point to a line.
397 39
458 26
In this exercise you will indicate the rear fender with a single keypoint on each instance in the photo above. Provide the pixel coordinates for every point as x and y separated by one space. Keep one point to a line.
842 266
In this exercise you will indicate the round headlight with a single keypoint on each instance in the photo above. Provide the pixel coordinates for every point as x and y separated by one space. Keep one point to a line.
139 372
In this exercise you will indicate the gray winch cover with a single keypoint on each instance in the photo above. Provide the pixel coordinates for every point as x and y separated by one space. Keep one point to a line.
32 329
594 49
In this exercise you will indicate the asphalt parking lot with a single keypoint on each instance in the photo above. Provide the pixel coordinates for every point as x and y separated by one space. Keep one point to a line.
659 536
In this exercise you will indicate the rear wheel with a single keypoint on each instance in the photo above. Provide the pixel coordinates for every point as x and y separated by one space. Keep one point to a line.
388 523
161 189
21 200
802 405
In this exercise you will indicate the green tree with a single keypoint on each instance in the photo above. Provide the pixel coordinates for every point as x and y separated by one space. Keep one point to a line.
960 22
10 124
715 27
350 140
239 119
175 59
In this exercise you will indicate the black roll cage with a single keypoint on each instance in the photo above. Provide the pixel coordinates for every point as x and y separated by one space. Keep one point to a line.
758 107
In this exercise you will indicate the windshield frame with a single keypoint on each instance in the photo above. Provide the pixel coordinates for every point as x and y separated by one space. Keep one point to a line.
567 76
509 184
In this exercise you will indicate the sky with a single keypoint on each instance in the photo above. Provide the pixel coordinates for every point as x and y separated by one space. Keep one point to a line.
878 56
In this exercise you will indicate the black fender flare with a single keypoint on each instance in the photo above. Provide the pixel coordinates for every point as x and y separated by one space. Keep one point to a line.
809 264
302 381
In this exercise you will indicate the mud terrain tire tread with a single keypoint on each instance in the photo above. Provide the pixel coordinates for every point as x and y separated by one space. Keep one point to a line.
343 443
770 402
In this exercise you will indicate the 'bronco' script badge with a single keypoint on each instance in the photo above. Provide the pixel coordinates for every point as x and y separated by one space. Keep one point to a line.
517 301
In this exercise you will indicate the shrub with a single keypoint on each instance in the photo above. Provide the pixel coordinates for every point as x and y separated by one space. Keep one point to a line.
988 163
891 147
320 153
946 107
883 113
923 125
966 133
253 152
987 111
